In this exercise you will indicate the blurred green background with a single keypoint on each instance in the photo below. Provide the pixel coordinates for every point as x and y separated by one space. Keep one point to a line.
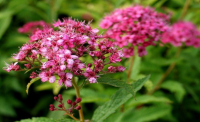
178 99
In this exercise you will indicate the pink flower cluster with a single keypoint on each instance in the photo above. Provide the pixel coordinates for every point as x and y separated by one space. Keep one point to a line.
134 26
32 26
60 51
182 32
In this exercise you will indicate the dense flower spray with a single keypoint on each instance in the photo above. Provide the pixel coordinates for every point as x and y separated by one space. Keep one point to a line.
59 51
134 26
182 32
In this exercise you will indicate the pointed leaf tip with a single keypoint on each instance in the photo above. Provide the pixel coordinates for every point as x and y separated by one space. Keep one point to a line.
31 82
139 83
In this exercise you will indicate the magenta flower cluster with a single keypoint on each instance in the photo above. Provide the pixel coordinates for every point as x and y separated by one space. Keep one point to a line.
60 51
182 32
32 26
135 26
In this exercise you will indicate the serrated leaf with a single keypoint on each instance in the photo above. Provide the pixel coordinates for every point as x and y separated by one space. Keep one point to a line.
31 82
147 114
175 87
116 117
65 120
44 119
119 98
116 83
139 83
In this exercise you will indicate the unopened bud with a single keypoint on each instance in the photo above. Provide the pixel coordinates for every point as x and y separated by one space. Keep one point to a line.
28 66
89 65
69 101
78 100
103 57
51 105
74 103
51 109
55 98
60 105
78 107
60 97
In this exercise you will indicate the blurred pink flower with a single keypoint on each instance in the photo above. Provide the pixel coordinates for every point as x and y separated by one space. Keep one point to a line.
135 26
32 26
182 32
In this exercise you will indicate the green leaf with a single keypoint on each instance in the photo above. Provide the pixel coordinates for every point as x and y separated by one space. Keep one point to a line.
116 83
139 83
6 108
194 107
55 9
89 95
147 114
46 86
118 3
56 89
32 81
191 91
148 85
175 87
116 117
144 99
13 83
27 71
136 67
65 120
40 105
119 98
164 61
5 19
14 101
16 6
44 119
159 3
169 118
148 2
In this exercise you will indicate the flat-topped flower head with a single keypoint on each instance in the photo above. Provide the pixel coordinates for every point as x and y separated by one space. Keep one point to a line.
57 52
135 26
182 32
